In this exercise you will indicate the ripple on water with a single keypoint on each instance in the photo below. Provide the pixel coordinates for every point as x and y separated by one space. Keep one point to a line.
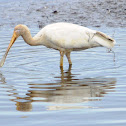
33 87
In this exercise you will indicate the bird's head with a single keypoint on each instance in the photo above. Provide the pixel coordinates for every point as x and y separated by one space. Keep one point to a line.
19 30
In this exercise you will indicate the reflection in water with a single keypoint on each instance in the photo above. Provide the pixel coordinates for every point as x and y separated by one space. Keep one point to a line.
24 106
2 79
65 92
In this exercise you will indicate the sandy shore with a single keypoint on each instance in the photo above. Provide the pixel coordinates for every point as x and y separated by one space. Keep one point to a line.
95 13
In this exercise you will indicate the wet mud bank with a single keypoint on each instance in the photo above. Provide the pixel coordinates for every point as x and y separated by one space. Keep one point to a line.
94 13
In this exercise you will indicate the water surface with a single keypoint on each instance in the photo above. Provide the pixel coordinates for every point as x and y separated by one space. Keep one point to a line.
35 91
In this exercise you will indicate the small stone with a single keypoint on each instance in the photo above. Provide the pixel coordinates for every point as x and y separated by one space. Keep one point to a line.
55 12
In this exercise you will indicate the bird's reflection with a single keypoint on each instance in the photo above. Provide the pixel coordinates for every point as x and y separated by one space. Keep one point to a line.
2 79
68 89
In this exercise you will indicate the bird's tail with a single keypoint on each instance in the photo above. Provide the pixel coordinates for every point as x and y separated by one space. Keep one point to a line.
104 40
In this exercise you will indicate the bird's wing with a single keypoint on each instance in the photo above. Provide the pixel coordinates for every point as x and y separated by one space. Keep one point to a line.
103 39
68 36
71 36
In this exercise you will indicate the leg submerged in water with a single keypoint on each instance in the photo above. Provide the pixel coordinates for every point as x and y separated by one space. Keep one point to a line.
61 58
68 57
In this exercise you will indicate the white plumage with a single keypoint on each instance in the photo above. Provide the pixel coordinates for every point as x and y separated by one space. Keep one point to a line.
72 36
65 37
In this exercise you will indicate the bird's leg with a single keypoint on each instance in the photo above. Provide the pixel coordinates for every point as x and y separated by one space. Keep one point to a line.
68 57
61 58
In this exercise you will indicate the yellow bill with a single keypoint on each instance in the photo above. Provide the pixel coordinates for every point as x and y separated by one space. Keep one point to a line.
14 37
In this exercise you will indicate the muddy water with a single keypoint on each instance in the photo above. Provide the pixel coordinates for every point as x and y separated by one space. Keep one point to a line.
38 13
35 91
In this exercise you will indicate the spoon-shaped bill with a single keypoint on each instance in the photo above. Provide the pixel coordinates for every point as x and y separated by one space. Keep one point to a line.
14 37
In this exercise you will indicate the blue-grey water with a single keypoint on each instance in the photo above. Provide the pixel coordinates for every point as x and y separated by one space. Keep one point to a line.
35 91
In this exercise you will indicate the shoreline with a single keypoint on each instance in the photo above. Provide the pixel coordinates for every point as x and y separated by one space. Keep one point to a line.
94 13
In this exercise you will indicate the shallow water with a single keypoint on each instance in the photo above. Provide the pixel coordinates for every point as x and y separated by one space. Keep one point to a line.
34 90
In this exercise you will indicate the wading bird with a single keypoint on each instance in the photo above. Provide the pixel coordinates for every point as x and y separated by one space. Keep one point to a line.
64 37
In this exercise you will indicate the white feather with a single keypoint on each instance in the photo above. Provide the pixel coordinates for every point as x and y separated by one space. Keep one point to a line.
65 37
74 37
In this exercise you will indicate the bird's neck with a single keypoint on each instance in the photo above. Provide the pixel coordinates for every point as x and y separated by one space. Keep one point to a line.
30 40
